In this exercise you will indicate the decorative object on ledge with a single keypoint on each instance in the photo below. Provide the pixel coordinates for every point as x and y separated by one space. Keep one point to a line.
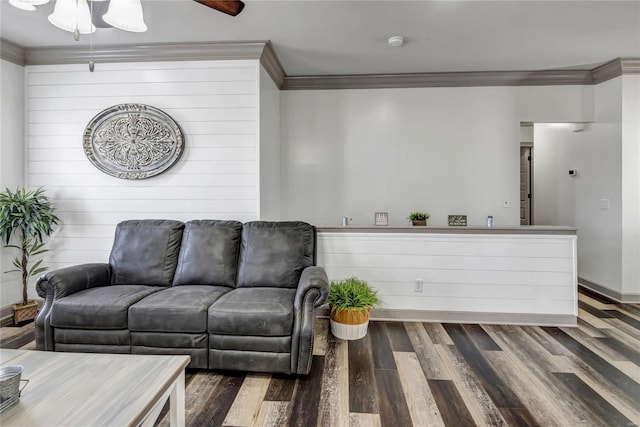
419 218
133 141
457 220
350 301
381 218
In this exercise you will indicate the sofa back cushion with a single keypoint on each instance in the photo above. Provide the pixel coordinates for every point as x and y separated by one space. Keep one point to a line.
273 254
145 252
209 253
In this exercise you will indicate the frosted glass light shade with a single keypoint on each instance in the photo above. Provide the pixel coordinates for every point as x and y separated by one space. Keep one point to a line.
69 14
126 15
27 4
22 5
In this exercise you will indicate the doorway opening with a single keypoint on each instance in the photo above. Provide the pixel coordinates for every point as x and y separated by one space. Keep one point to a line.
526 173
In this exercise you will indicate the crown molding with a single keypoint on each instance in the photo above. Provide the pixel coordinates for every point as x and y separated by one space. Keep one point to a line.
264 52
615 68
607 71
272 65
147 53
11 52
456 79
630 65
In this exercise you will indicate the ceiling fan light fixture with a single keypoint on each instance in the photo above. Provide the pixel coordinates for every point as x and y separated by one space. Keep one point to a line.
27 4
30 2
126 15
72 15
22 5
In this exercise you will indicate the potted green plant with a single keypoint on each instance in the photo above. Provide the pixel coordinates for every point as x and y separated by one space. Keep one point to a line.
350 302
29 217
419 218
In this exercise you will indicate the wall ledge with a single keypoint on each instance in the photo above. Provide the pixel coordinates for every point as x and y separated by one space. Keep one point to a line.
515 230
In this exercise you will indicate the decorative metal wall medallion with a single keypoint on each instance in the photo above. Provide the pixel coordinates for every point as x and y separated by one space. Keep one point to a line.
133 141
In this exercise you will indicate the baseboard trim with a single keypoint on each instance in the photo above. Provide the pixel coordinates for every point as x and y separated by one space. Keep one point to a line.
6 316
615 296
524 319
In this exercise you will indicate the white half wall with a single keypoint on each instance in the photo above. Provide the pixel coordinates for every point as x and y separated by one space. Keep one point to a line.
217 177
531 277
12 172
440 150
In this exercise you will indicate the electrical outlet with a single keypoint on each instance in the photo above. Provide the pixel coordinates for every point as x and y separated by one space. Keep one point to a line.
505 203
419 285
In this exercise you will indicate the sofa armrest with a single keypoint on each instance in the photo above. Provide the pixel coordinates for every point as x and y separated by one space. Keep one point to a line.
313 290
66 281
60 283
312 279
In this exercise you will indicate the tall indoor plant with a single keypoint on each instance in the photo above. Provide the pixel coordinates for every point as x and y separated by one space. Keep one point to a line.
350 301
29 216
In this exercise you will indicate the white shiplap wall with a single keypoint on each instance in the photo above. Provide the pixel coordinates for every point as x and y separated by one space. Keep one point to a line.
214 102
514 274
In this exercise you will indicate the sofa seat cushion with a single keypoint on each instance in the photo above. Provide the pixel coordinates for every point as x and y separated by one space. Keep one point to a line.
253 311
176 309
106 307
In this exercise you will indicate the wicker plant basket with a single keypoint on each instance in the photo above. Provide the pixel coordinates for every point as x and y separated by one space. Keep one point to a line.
24 312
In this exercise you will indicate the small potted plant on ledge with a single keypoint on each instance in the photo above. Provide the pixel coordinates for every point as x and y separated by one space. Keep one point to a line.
29 216
350 302
419 218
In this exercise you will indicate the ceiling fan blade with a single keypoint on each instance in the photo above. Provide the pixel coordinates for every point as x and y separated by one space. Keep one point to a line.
230 7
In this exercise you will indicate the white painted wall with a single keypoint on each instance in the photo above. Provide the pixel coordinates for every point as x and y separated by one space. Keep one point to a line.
560 199
12 171
526 134
631 186
269 118
442 150
214 102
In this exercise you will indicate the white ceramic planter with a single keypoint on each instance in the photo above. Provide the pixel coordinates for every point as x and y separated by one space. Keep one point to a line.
349 332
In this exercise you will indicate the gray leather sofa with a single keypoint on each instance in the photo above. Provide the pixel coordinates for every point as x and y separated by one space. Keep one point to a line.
231 295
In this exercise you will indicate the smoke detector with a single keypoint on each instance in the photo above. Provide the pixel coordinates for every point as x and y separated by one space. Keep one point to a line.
396 41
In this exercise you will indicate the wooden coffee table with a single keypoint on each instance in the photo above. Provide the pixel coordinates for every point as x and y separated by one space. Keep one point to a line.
95 389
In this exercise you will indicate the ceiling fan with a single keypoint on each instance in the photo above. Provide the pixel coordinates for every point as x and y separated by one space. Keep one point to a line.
230 7
100 7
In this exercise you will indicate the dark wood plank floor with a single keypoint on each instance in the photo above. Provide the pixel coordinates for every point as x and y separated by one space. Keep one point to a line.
431 374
